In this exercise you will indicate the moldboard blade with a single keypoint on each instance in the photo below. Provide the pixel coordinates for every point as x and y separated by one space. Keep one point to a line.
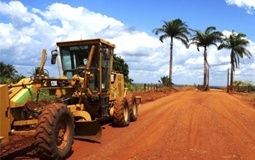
88 130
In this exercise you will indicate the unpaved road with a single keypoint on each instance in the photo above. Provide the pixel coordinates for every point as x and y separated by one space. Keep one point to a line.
189 125
185 125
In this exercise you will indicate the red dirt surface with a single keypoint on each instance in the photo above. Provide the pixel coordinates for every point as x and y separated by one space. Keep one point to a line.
177 125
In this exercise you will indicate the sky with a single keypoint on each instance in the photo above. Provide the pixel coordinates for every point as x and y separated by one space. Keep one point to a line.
27 27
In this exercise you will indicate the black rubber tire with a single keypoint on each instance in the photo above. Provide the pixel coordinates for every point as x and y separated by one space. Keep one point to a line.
121 112
133 107
54 132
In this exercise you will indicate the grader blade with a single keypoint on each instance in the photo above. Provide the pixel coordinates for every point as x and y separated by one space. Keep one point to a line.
88 130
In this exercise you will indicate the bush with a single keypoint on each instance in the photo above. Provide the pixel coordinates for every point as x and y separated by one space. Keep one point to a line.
7 80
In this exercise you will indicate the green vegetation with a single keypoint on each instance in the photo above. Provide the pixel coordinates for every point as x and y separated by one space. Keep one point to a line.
164 80
36 71
8 74
119 65
43 95
241 86
241 83
174 29
131 87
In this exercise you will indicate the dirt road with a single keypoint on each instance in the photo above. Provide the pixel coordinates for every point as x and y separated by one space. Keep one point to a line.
185 125
189 125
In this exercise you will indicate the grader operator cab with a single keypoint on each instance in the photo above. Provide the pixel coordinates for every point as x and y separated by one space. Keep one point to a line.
88 90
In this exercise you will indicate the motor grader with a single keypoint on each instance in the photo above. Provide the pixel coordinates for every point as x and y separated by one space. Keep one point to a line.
87 91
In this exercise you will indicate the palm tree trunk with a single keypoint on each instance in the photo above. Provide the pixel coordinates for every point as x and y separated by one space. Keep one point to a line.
231 77
208 78
171 62
205 69
232 70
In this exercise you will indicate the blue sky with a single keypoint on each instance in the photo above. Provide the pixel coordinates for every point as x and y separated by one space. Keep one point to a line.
26 27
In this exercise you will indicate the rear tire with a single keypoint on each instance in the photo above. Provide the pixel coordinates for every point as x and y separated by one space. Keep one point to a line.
121 112
54 132
133 107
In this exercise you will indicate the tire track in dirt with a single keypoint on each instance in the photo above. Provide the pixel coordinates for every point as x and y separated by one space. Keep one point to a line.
238 121
123 137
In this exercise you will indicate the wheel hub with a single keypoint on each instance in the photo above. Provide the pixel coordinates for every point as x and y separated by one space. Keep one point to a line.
62 134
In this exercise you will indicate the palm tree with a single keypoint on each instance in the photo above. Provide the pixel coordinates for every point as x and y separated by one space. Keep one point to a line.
205 39
174 29
7 70
236 43
8 74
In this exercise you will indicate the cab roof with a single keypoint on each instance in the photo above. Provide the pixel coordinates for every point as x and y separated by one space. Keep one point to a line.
87 41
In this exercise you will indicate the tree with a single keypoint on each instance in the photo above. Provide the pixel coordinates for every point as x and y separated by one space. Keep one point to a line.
205 39
35 71
119 65
236 43
7 70
164 80
8 74
174 29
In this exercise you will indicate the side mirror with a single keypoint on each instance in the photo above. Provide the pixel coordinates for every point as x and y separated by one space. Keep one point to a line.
54 55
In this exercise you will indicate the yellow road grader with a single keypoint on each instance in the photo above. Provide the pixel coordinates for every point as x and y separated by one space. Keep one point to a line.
88 90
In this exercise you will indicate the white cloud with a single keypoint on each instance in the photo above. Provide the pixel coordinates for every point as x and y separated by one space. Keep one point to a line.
199 60
249 5
77 21
224 59
252 66
29 30
226 33
16 10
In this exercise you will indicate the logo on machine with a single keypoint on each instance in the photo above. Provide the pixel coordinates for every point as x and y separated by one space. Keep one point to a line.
54 83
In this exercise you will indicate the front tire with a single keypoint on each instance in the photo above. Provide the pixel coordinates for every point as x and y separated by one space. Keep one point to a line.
54 132
121 112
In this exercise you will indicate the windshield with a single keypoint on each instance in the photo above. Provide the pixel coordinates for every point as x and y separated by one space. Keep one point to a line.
74 57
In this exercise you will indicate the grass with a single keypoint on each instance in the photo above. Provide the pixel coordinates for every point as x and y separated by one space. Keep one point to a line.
43 95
